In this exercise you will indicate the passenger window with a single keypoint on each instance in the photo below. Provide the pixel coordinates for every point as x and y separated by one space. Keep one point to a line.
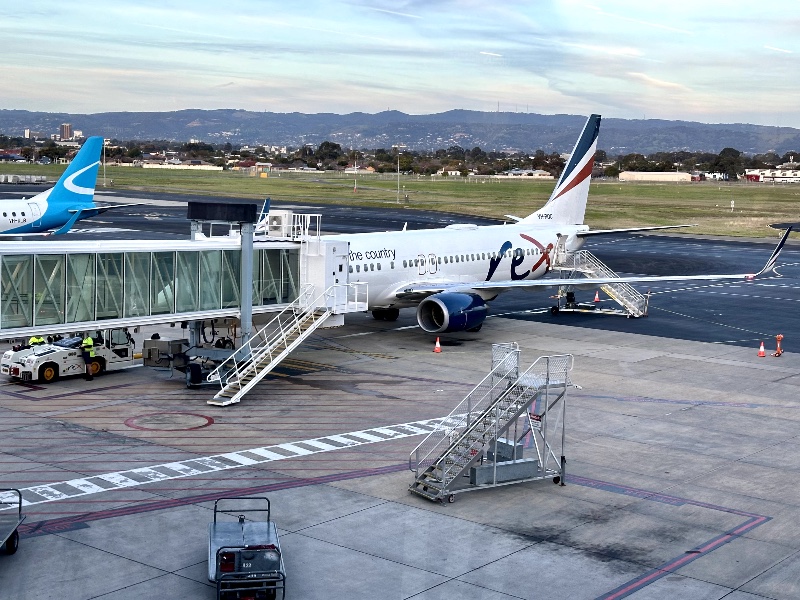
404 264
13 214
445 260
473 256
358 269
351 268
365 268
456 257
439 260
371 266
379 266
391 264
23 214
416 262
5 214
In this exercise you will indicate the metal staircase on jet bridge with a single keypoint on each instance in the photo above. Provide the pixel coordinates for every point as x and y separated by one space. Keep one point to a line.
277 339
488 412
583 261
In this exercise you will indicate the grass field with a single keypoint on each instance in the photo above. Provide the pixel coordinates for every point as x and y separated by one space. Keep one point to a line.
611 204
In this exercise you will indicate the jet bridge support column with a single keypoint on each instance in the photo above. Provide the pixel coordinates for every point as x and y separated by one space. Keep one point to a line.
246 285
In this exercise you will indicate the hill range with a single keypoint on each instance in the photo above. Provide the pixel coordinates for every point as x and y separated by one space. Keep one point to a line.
491 131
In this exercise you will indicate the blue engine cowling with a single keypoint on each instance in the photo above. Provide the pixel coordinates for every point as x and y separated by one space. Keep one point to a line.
451 311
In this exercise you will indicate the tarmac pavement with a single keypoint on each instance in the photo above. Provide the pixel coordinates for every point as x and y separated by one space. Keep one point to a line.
683 465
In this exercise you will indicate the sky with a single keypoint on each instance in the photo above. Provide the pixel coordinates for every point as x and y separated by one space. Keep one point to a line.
708 61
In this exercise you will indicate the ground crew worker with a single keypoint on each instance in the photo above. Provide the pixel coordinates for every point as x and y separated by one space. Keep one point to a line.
87 349
36 340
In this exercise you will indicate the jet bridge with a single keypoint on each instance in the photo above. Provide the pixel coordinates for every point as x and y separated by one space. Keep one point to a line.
57 286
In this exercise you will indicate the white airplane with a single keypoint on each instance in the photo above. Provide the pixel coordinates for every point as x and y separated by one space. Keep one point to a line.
450 274
56 210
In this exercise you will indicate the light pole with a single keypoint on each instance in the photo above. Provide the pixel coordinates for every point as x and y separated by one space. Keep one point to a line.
104 162
398 146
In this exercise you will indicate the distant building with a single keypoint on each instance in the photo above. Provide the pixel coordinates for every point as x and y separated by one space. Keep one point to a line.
535 173
656 176
773 175
65 131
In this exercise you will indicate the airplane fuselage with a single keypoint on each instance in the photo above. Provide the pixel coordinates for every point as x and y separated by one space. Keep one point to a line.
390 261
29 216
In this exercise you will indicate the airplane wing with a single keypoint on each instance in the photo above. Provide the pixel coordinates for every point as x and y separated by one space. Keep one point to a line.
421 291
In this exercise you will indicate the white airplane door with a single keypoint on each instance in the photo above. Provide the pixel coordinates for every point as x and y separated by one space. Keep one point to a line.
36 214
421 260
433 265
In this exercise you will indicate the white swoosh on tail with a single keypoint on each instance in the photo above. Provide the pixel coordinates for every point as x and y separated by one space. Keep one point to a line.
76 189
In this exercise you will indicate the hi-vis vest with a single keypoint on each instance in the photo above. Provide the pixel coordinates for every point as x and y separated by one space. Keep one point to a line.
35 340
87 345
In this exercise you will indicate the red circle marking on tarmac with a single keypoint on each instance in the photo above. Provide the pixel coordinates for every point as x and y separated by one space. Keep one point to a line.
162 422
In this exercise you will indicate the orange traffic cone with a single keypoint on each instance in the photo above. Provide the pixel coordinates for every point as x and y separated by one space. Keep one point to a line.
597 296
437 347
761 352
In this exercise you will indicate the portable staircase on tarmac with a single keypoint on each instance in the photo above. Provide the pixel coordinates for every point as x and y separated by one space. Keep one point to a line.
248 365
584 262
493 409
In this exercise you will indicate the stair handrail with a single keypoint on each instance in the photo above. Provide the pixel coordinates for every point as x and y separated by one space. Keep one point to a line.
458 422
475 402
279 327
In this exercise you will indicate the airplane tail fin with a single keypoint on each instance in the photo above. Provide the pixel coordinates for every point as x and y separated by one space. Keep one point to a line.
75 188
567 204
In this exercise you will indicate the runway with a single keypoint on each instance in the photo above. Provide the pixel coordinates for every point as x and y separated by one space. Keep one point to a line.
682 448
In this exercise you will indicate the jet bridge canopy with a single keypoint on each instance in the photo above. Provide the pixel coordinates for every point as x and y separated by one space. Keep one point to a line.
54 286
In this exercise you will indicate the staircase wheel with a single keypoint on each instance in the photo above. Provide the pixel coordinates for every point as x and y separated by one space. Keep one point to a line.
451 498
556 479
554 311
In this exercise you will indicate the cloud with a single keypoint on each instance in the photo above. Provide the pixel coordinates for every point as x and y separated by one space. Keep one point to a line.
659 83
778 49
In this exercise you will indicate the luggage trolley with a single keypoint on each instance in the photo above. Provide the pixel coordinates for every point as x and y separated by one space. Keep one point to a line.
244 557
9 522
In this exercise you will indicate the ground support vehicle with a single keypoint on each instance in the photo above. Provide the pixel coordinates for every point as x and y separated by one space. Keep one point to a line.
244 557
45 363
10 520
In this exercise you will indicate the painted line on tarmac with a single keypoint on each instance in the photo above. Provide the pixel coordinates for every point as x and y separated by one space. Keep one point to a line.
752 520
201 465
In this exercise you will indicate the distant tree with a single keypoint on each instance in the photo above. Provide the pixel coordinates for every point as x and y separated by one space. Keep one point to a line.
611 171
600 156
791 157
134 153
328 151
730 162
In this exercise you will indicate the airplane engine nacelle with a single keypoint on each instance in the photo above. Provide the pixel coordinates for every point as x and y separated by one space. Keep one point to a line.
451 311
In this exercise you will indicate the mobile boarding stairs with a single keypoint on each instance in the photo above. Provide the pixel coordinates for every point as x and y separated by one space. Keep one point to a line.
584 263
485 435
265 350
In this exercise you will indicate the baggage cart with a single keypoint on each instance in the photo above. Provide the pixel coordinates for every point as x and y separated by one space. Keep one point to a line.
244 556
10 520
